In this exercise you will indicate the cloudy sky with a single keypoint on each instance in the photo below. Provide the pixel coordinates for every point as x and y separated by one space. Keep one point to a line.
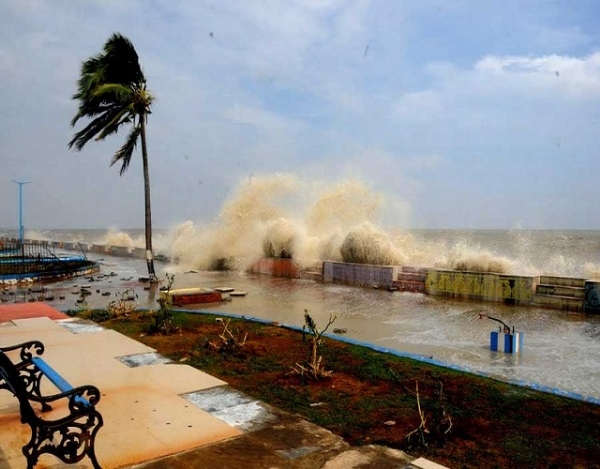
462 114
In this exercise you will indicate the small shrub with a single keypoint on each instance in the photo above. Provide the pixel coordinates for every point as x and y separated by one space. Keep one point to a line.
163 318
231 342
100 315
124 305
314 368
83 308
435 423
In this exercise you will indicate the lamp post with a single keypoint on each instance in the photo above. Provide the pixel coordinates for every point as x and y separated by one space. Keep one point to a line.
21 184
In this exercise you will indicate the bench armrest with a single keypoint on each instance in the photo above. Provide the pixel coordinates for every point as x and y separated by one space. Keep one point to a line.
80 398
27 350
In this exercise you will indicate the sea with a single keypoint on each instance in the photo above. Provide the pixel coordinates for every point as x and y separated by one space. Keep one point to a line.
561 349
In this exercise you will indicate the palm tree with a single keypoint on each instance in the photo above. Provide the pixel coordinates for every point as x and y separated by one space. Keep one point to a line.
111 92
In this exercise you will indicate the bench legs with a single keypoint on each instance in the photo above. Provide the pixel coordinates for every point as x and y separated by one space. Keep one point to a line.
69 441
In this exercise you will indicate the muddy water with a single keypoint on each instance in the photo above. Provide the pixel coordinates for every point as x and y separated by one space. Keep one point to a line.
561 349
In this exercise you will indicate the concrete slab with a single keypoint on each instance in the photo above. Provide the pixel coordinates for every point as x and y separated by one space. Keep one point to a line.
177 378
233 407
144 416
77 326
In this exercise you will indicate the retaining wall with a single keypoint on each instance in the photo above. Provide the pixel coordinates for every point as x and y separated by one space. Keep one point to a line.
364 275
477 286
276 267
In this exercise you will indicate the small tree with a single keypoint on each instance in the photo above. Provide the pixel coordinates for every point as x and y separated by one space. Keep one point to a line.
435 424
314 368
123 305
230 343
163 318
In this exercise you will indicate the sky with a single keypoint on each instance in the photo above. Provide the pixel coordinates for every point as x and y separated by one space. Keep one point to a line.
461 114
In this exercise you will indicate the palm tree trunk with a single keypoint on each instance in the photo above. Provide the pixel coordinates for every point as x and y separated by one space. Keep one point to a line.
148 223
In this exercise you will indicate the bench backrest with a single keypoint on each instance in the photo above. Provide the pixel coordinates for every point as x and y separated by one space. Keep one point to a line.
14 383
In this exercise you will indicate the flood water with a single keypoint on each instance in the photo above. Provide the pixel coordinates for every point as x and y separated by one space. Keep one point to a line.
561 349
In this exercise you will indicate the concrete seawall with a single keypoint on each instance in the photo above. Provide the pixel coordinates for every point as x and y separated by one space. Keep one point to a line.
551 292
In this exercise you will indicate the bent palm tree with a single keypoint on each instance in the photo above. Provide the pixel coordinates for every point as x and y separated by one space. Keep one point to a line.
111 92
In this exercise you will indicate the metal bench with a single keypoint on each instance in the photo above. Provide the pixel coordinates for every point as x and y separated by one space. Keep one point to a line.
69 436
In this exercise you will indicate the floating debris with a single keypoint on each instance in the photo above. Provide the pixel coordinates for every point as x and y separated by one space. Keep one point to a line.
340 331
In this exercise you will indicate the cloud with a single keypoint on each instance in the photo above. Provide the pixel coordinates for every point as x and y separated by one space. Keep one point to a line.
570 76
494 84
422 100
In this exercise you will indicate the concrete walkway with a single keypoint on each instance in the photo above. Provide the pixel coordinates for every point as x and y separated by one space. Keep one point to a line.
161 415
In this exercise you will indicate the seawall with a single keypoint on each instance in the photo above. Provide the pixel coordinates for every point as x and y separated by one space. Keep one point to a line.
550 292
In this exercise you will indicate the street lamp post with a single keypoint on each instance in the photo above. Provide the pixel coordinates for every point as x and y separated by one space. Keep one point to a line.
21 184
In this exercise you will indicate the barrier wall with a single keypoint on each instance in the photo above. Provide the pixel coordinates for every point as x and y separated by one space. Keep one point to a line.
139 253
365 275
481 286
276 267
120 251
411 279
